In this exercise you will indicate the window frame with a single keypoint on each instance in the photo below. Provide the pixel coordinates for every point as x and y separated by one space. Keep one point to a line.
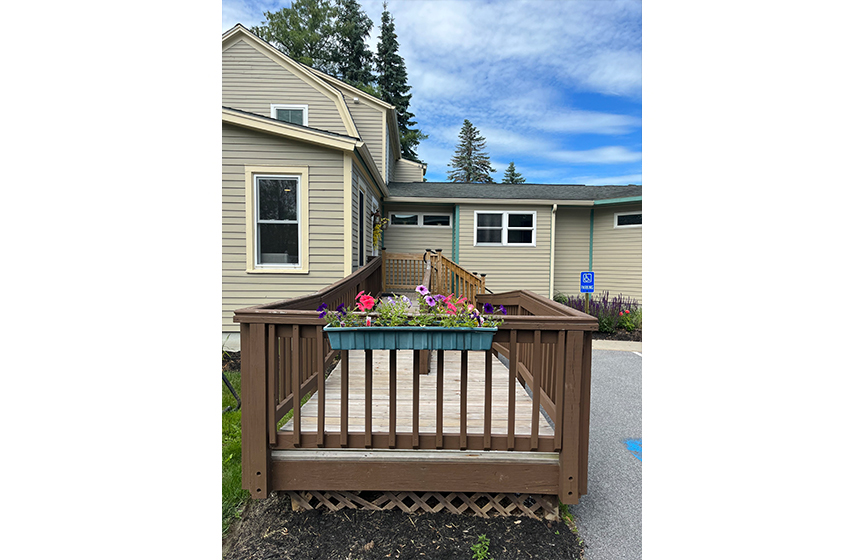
631 213
290 106
505 227
253 174
420 216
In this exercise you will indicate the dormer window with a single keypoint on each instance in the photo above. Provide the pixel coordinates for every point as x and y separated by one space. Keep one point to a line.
295 114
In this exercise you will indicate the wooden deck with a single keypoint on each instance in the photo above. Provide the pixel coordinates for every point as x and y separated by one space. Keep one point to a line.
428 389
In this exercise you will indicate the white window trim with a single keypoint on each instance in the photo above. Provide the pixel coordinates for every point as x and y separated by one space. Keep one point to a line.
302 176
615 220
504 228
420 220
305 108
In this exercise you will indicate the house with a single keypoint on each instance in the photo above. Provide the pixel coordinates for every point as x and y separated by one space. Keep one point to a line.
308 160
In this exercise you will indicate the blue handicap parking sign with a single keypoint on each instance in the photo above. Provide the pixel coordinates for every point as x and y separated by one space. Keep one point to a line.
587 282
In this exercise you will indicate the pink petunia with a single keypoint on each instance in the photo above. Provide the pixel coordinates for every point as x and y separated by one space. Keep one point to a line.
366 303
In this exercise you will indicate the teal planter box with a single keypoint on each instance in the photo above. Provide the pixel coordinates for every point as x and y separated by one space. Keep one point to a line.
410 338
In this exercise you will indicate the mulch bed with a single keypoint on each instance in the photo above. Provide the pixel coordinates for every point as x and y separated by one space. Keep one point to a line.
619 334
271 529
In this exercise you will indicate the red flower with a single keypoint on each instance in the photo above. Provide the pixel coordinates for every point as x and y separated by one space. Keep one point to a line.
620 314
365 302
626 311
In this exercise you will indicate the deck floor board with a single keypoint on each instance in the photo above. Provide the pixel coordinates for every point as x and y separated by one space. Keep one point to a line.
427 408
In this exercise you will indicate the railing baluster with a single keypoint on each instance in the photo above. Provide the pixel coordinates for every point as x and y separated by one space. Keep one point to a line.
535 391
392 399
295 377
487 405
272 399
322 409
343 397
439 402
559 389
368 398
416 407
511 398
463 405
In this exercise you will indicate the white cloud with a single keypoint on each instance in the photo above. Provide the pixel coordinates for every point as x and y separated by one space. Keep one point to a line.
608 154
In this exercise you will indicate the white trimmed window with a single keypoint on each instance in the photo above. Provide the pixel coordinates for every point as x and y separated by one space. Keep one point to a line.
277 221
295 114
628 219
412 219
505 228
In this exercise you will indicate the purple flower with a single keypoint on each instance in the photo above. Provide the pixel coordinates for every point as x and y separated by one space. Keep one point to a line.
341 310
488 308
422 290
430 301
323 310
503 311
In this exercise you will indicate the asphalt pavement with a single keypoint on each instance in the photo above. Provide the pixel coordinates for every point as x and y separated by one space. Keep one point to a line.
609 516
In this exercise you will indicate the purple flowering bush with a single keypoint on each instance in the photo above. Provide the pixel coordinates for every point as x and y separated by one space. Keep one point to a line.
612 313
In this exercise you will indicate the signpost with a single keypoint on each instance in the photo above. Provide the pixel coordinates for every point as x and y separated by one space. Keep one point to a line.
586 285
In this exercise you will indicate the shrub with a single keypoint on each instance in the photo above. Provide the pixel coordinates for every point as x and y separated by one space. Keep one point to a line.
617 312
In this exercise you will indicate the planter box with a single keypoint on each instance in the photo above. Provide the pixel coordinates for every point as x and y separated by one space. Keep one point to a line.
410 338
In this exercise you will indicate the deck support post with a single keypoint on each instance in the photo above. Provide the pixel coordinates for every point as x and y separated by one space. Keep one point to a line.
255 462
569 460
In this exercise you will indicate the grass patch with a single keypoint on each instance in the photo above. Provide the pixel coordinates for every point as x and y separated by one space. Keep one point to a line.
233 496
567 517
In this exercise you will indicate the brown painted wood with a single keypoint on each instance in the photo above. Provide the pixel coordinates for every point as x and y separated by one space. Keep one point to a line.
287 403
536 390
487 403
255 451
343 433
392 398
321 385
439 402
585 413
559 389
271 382
368 354
416 399
405 440
418 477
511 399
295 381
568 491
463 401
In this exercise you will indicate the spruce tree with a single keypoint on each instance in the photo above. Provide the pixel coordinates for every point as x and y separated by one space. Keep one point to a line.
305 32
353 57
470 163
510 175
394 88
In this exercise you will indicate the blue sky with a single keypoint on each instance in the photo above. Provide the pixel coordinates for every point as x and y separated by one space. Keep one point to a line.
554 86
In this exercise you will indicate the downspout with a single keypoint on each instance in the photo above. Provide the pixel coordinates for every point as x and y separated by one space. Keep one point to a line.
456 234
591 243
552 254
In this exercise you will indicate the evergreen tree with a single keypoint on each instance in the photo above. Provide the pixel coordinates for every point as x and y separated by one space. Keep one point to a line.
393 84
470 163
353 57
305 32
510 175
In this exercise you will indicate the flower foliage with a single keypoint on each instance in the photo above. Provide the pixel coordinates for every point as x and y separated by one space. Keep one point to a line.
434 310
618 312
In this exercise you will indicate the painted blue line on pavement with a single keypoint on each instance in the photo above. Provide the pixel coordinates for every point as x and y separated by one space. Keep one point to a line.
634 446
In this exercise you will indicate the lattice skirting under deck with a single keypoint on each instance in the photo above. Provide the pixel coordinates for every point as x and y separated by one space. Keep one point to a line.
479 504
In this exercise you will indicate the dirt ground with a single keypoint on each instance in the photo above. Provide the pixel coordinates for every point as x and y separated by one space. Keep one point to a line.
271 529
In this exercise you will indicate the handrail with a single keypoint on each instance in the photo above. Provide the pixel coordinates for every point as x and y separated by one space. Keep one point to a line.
449 277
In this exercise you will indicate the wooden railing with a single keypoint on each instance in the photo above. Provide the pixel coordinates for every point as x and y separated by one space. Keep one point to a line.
406 271
547 348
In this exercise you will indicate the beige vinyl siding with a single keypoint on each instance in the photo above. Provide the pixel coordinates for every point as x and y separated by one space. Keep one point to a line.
251 81
572 244
617 253
369 121
358 181
508 267
404 239
241 147
407 172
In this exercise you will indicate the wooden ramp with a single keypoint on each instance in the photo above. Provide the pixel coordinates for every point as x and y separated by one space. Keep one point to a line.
427 408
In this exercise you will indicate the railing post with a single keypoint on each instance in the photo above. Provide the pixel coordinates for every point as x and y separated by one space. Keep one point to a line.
255 450
383 270
571 441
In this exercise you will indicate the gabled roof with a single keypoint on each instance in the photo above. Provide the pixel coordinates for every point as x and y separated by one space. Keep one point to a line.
580 195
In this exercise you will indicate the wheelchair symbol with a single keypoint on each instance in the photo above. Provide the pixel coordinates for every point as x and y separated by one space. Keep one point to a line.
587 277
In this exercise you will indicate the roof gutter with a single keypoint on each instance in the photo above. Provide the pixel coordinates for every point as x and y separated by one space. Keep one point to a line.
618 200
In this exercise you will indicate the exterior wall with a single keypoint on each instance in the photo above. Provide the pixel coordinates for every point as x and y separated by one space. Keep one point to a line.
369 121
407 172
572 244
358 181
251 81
617 253
407 239
508 267
242 147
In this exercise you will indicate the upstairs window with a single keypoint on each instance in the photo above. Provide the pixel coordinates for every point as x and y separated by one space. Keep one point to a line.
628 219
277 227
295 114
505 228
